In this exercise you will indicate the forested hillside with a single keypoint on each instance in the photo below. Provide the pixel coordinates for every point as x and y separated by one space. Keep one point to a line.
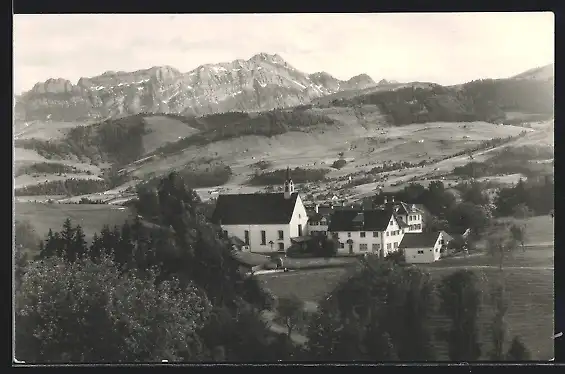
481 100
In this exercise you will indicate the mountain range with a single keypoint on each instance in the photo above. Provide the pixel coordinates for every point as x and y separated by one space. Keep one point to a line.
263 82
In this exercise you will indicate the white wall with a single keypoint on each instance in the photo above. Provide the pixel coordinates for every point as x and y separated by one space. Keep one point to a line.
416 220
382 240
429 255
299 217
318 227
271 233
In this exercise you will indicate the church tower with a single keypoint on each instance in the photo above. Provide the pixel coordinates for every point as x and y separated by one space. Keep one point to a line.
288 185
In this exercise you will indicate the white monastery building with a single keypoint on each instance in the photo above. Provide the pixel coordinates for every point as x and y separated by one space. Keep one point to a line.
377 231
265 222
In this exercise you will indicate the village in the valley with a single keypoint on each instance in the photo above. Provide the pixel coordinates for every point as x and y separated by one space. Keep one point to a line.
381 191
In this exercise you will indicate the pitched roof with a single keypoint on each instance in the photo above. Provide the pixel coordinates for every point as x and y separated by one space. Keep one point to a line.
315 217
373 220
254 209
419 240
400 221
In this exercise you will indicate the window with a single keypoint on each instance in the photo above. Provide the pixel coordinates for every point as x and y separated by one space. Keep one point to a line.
281 246
437 249
299 216
363 247
362 234
409 218
420 252
375 234
395 245
225 233
263 237
376 247
299 230
349 235
390 223
281 235
388 246
387 233
341 245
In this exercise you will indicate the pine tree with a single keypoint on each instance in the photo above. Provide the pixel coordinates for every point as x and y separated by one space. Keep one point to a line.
67 238
95 250
518 351
79 243
48 249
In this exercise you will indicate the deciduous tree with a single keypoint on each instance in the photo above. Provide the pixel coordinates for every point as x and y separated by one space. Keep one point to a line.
87 311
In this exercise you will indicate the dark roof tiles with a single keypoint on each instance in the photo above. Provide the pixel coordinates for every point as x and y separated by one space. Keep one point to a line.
254 209
419 240
373 220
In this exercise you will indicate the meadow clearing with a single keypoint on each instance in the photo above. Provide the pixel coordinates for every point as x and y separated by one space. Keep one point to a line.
528 277
91 217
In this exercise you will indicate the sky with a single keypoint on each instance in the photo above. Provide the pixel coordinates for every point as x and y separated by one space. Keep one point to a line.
445 48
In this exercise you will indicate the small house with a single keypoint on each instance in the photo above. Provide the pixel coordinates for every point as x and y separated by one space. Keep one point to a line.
422 248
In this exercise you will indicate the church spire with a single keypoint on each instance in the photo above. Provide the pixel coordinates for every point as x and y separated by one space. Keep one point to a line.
288 185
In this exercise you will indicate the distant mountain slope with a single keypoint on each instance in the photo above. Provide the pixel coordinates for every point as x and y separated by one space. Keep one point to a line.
543 73
261 83
483 100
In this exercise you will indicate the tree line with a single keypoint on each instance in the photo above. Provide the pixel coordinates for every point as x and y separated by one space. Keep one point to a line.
299 175
165 286
481 100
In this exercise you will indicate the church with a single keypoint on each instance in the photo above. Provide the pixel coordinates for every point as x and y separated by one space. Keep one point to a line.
265 222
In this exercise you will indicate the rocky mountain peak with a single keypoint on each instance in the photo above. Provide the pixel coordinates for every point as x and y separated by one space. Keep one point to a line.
263 82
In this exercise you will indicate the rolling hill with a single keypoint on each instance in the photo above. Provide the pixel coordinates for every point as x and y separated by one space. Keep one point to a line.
369 125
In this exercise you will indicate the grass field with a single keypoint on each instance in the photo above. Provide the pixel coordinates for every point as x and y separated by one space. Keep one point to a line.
539 229
529 284
162 130
51 216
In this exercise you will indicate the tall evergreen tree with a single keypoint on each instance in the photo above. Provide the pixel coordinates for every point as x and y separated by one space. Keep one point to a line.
80 247
460 301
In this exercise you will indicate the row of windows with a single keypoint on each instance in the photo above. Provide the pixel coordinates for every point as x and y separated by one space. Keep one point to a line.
374 246
416 227
421 251
363 234
318 223
414 217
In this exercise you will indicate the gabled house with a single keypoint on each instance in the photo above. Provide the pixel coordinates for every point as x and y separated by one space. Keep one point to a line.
318 220
411 214
422 248
266 222
361 231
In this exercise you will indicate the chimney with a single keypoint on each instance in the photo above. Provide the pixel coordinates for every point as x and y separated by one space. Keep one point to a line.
316 207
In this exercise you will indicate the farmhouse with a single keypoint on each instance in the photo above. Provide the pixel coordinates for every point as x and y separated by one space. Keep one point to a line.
267 222
422 248
411 214
361 231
